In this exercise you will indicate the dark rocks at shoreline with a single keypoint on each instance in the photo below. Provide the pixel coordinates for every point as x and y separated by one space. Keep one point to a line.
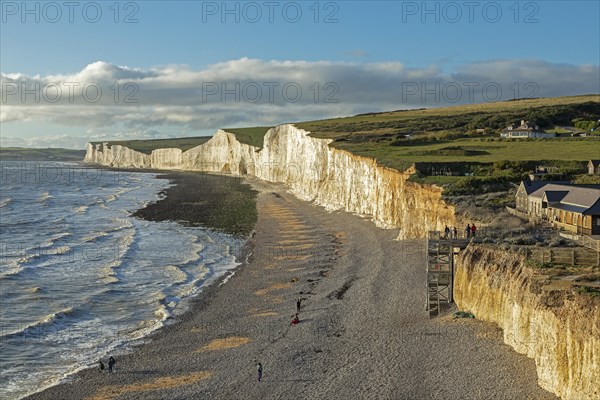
219 202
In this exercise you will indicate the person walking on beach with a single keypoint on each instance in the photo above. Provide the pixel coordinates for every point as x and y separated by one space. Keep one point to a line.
298 304
473 229
101 365
468 230
111 365
259 369
296 320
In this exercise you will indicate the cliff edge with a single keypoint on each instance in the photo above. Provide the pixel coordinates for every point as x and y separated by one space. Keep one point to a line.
312 170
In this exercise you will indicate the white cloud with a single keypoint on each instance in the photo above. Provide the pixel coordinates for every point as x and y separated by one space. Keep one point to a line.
258 92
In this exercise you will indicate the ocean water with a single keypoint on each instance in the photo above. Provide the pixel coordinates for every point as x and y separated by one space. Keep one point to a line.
80 278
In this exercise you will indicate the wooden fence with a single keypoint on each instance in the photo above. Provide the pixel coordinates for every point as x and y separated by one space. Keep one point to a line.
579 256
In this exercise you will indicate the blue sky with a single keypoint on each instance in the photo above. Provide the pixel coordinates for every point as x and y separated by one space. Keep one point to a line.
374 51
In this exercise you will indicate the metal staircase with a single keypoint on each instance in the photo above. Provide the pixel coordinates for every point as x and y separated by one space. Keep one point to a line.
440 273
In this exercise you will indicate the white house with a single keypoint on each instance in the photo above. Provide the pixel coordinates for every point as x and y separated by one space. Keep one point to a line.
527 130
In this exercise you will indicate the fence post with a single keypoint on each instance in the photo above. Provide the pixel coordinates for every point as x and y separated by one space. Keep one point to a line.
573 259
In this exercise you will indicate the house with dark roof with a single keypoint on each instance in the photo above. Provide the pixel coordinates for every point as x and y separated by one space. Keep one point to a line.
575 208
527 130
530 205
594 167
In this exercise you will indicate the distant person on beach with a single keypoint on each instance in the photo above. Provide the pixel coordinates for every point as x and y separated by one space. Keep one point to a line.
473 229
111 365
455 233
468 230
298 304
101 365
259 370
295 320
446 232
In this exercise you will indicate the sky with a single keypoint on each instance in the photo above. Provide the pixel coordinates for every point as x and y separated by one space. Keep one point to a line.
73 72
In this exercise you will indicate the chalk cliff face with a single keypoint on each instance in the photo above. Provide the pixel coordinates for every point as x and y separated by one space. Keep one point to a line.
311 169
559 329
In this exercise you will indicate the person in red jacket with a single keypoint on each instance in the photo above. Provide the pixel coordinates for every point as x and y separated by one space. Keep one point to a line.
473 229
295 320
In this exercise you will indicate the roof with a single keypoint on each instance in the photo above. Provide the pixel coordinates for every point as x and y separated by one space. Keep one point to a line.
569 207
595 163
582 196
576 198
532 186
554 196
593 210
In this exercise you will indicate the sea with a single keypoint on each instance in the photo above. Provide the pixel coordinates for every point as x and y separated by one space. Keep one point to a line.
80 278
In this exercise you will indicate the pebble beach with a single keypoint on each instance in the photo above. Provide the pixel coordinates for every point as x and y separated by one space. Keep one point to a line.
363 330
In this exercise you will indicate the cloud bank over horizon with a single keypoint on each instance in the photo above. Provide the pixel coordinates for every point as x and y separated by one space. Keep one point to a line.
104 101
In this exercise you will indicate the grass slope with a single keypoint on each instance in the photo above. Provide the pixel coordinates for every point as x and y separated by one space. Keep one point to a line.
252 136
448 134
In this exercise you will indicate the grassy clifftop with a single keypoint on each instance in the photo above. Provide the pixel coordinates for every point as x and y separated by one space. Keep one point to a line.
399 138
438 135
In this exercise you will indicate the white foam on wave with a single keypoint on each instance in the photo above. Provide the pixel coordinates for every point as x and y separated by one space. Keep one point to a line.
5 201
92 237
109 271
53 239
14 267
80 209
47 320
177 275
45 196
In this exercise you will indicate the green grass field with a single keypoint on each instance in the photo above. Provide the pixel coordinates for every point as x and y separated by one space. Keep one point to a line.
400 157
391 122
441 135
27 154
252 136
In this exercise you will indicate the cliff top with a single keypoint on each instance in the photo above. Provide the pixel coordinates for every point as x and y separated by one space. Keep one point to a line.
465 133
146 146
252 136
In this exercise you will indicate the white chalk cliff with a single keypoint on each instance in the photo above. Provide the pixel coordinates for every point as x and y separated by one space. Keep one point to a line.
563 338
313 171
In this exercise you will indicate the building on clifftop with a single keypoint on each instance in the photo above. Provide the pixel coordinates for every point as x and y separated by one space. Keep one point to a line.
527 130
574 208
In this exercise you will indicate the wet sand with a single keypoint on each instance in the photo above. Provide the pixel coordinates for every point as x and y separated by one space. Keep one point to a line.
364 333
